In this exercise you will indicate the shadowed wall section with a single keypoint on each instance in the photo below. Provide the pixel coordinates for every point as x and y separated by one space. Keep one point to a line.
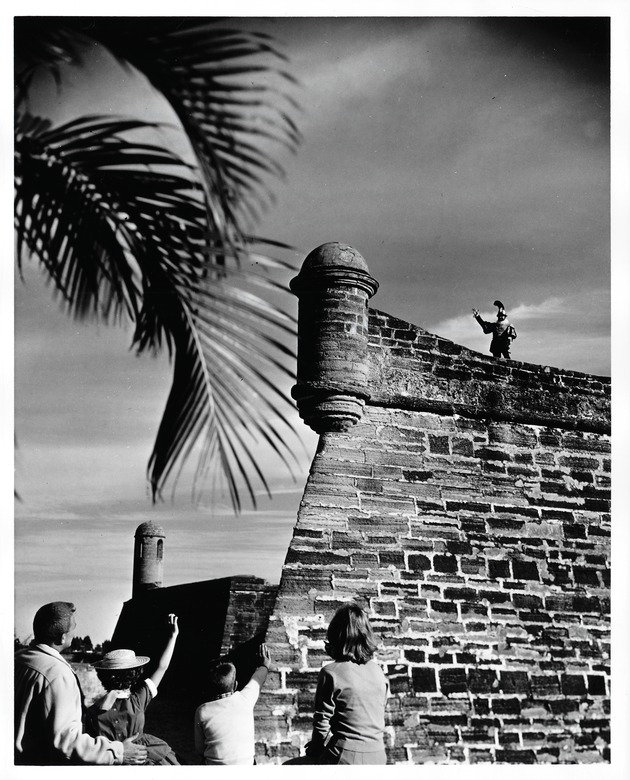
219 618
467 509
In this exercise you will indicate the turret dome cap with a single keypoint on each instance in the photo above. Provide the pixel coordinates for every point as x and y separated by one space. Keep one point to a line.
149 529
334 254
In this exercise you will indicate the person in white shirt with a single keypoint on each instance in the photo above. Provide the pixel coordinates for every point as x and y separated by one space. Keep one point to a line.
224 726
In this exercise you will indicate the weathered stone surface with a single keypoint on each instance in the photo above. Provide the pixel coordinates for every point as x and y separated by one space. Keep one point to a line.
333 288
468 512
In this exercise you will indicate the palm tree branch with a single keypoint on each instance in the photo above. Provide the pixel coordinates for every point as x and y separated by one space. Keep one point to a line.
124 229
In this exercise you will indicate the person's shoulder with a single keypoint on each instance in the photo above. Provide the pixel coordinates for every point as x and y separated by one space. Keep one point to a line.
377 673
330 673
37 660
340 670
207 712
21 656
375 667
31 651
211 706
27 660
148 686
201 710
142 694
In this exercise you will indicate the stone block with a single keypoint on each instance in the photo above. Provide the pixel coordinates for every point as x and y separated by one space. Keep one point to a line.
439 445
452 680
596 684
474 566
492 596
418 562
481 755
573 684
525 570
492 454
445 563
364 560
482 680
473 611
378 524
415 656
505 706
327 559
384 608
545 685
498 569
394 558
514 682
584 575
504 756
527 601
443 607
304 580
423 679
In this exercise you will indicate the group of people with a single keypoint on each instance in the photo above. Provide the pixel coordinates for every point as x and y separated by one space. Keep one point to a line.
53 726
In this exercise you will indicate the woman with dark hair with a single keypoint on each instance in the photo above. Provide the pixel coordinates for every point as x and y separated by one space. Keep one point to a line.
121 712
349 718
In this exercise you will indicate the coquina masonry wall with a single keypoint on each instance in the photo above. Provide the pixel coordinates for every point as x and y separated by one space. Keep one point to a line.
464 502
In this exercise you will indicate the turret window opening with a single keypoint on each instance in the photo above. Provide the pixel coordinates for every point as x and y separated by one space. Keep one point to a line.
160 549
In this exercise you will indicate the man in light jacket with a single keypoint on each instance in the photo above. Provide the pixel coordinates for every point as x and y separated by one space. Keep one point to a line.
49 705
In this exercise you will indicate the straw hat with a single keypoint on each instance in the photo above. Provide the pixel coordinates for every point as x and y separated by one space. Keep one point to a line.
121 659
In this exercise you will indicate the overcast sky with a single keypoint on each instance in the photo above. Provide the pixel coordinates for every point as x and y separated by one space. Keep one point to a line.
467 159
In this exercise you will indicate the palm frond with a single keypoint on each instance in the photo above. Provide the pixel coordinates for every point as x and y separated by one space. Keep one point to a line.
200 67
121 228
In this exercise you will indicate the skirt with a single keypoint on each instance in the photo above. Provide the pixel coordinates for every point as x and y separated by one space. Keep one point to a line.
339 755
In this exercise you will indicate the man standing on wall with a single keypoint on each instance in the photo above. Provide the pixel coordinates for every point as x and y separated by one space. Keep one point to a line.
49 705
502 332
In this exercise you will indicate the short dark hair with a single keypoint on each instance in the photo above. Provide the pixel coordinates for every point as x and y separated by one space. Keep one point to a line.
119 679
221 679
52 621
350 636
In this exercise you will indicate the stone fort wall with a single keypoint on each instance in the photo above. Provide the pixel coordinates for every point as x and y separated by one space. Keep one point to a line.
464 502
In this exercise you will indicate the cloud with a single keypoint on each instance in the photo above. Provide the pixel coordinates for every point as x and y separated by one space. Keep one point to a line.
466 164
359 71
552 307
88 558
456 160
458 328
552 332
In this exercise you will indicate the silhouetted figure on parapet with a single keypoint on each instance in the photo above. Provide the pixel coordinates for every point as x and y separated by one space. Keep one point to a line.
502 332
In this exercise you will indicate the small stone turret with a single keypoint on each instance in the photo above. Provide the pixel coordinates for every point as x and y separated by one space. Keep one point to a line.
148 558
333 288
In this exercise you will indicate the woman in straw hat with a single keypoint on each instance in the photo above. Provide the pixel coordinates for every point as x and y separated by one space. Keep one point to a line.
120 713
